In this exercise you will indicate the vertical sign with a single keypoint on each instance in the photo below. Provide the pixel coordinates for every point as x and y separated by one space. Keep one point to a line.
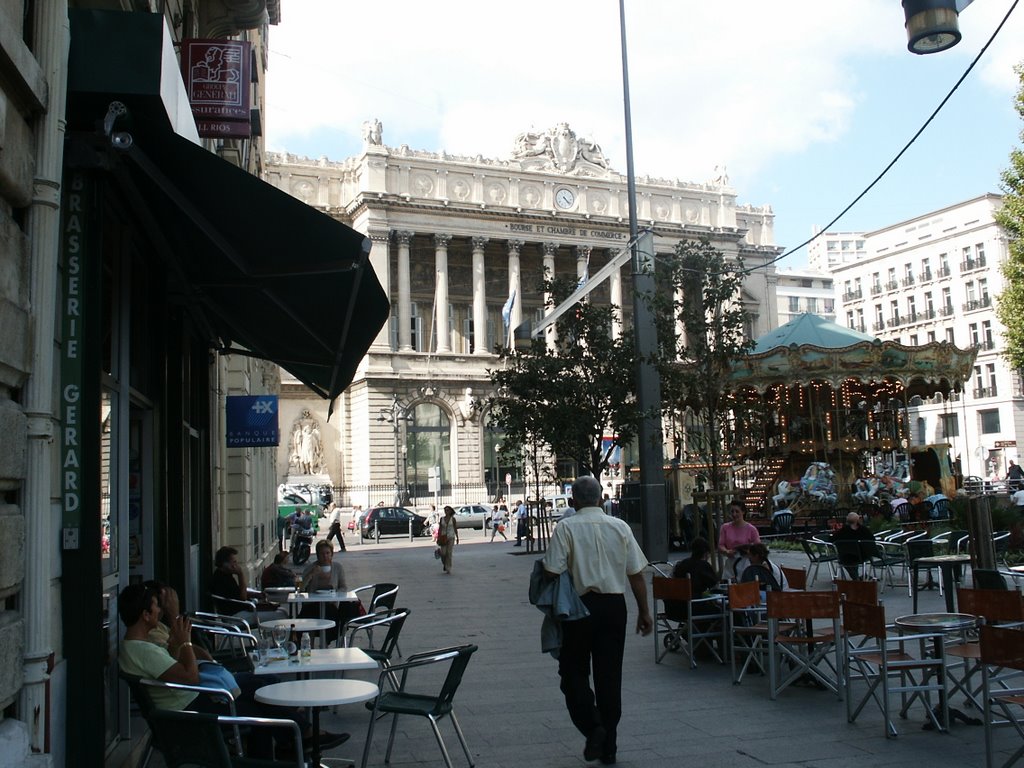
218 80
79 205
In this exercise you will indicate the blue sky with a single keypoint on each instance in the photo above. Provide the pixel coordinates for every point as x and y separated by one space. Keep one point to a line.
804 101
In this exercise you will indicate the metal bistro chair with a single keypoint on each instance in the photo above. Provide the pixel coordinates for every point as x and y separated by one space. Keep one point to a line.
393 621
432 706
818 554
1001 649
782 522
196 739
747 631
685 623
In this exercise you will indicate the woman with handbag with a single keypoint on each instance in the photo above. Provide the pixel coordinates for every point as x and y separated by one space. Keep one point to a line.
447 538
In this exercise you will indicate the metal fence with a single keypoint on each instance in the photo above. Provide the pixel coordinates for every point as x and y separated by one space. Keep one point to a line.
416 497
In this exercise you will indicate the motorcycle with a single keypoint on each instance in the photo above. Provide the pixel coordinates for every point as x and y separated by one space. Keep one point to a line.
301 544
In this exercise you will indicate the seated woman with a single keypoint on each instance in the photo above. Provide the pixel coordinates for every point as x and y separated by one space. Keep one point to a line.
763 571
702 580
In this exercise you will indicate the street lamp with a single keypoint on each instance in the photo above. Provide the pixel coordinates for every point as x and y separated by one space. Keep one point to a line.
394 416
932 24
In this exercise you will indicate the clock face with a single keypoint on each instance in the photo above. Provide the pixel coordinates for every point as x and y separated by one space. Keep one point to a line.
565 198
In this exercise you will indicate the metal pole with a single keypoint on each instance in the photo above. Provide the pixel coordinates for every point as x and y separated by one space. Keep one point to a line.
654 516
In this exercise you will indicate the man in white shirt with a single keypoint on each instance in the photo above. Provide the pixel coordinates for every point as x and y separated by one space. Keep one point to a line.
602 556
334 529
521 527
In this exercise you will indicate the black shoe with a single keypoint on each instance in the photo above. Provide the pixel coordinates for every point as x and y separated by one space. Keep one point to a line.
595 744
330 740
608 759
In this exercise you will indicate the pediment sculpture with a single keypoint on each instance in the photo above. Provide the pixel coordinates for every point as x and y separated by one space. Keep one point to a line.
560 149
306 455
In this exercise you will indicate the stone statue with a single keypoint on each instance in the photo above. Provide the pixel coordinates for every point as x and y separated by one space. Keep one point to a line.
721 177
307 452
560 149
372 132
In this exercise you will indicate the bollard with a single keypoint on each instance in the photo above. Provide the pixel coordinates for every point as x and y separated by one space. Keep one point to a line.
410 530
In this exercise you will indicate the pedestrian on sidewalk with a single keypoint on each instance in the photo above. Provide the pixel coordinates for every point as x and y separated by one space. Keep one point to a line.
603 557
521 528
447 538
334 526
497 523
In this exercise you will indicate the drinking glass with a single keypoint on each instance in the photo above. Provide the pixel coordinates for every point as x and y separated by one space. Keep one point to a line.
280 635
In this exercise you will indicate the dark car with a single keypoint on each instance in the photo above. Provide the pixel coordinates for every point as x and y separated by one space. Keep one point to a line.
392 520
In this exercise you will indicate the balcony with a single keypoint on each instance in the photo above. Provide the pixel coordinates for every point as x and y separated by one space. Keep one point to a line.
911 317
944 271
928 314
879 325
973 304
907 281
895 322
946 311
892 285
853 295
860 327
876 289
984 392
987 346
969 265
925 276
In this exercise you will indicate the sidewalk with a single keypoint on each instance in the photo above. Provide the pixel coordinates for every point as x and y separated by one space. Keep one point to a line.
513 714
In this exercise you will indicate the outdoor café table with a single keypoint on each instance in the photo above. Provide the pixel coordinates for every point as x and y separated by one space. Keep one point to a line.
324 596
320 660
946 564
938 622
316 693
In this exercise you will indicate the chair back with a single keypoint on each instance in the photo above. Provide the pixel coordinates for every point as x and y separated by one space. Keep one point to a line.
901 512
189 739
864 592
782 522
745 594
443 705
1001 647
670 588
809 550
384 596
803 605
993 605
139 692
940 509
917 548
864 619
395 621
795 577
986 578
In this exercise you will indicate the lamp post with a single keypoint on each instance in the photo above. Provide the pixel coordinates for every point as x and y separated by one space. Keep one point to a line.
394 416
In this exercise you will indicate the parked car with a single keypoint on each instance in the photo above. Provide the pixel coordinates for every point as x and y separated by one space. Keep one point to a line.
472 516
392 520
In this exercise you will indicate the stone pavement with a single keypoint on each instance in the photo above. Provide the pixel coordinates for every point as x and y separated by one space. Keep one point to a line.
513 714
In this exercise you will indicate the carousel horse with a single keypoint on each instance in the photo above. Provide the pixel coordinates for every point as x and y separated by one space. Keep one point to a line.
787 491
818 482
865 489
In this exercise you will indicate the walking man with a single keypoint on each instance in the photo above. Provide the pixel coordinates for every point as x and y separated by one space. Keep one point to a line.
521 531
334 531
602 556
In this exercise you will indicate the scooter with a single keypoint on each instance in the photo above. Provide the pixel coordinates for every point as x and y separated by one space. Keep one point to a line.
301 544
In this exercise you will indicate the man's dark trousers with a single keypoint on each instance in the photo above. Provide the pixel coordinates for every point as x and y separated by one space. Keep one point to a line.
597 640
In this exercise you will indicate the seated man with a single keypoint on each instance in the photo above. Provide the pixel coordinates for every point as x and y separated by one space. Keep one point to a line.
167 599
853 531
326 574
139 609
702 580
229 581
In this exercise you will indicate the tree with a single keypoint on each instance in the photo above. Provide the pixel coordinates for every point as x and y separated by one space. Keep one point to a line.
567 397
701 331
1010 303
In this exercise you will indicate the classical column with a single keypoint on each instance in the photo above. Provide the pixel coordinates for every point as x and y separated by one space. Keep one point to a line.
514 287
404 239
380 260
615 287
550 249
479 298
441 293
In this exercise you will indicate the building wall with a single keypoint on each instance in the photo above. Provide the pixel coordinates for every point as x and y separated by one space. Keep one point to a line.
935 278
496 219
800 291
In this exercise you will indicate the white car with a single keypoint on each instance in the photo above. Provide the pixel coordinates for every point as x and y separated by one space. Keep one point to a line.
472 516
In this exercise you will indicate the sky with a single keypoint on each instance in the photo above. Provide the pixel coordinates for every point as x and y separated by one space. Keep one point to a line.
804 102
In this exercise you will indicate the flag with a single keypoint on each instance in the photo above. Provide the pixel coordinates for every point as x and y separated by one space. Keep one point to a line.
583 278
506 311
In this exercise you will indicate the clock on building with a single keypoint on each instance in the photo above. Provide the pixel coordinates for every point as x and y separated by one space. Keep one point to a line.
565 198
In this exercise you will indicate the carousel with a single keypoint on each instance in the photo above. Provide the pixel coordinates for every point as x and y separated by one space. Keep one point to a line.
821 416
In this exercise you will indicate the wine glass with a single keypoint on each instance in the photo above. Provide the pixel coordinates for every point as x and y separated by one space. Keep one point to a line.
280 635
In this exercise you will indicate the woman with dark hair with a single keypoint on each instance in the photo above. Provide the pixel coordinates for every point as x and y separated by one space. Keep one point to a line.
766 573
702 579
447 538
735 537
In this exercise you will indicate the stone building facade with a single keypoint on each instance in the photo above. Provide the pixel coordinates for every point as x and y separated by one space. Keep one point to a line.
459 239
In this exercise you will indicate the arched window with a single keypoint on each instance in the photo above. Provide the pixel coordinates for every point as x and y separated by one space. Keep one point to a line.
428 444
496 467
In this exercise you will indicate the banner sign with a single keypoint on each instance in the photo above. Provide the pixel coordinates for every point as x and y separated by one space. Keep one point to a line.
252 421
218 80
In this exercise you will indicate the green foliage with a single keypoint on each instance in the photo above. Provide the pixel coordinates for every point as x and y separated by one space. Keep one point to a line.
1010 303
566 397
701 331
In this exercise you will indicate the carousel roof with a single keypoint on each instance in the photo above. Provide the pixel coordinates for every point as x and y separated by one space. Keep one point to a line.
809 329
812 349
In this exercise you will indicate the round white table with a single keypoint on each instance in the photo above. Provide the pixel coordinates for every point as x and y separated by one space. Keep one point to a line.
316 693
300 625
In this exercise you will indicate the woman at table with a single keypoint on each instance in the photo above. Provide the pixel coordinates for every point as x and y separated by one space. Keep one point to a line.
702 578
735 537
326 574
447 538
